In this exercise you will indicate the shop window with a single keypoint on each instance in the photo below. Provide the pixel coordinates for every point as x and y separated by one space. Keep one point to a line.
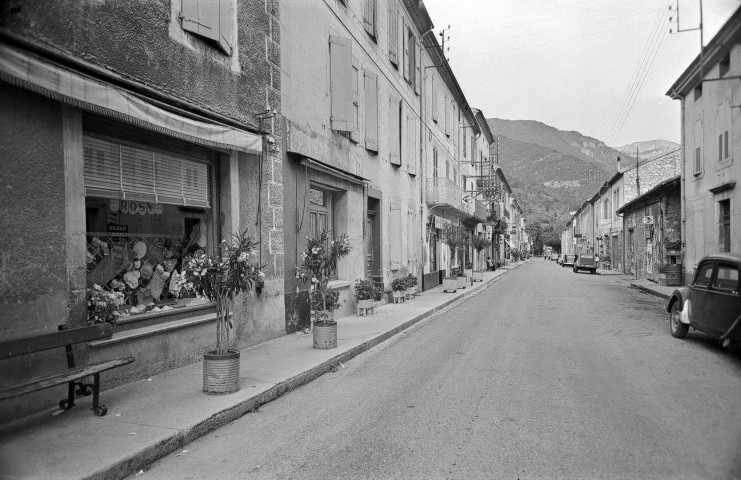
321 214
146 212
724 225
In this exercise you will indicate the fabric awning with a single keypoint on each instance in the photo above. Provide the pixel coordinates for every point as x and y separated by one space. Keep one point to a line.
30 72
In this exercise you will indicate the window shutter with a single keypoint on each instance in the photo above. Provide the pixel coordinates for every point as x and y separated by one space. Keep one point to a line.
340 83
412 60
226 33
394 130
393 33
418 66
201 17
113 170
355 107
434 100
394 235
405 46
446 118
369 17
411 143
371 111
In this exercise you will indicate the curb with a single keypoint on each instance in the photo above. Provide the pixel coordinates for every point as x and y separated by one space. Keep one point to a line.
126 467
650 291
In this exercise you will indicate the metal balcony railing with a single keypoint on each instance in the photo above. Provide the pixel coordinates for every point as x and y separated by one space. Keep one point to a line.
440 190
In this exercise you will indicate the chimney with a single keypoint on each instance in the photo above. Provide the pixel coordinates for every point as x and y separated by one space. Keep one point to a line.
618 164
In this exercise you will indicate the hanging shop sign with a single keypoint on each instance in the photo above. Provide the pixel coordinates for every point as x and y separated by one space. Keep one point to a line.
489 231
118 230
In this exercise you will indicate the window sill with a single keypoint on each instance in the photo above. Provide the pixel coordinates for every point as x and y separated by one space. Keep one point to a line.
138 333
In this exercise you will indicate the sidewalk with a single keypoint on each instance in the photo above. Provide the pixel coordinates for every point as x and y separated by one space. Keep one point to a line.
650 287
150 418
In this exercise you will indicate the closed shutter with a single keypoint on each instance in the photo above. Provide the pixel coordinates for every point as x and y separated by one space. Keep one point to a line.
371 111
411 143
394 235
412 60
115 170
394 130
393 32
340 83
226 32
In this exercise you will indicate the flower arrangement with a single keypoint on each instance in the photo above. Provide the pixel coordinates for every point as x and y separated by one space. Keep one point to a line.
366 290
102 305
220 279
399 284
318 261
412 281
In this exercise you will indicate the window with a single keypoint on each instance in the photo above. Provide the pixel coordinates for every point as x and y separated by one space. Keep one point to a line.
725 143
369 17
724 225
615 201
393 33
704 275
320 210
435 171
464 149
412 57
212 20
145 211
447 169
371 111
435 114
726 279
340 84
720 147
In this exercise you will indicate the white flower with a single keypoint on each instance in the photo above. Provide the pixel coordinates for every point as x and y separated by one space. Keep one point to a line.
315 250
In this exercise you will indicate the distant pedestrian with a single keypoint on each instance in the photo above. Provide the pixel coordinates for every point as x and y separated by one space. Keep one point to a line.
490 264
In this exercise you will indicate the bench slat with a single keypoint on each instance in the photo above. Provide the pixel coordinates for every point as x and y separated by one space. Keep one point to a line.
47 341
41 383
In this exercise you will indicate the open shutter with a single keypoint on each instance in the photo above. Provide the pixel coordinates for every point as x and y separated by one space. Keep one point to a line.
435 115
446 112
369 17
411 142
394 235
394 130
226 32
417 66
371 111
405 46
340 83
412 59
393 33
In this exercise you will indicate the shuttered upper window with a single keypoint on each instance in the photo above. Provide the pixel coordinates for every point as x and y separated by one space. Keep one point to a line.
212 20
371 111
369 17
115 170
393 32
340 84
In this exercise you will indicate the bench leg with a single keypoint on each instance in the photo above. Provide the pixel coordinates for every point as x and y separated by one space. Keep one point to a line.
70 401
99 410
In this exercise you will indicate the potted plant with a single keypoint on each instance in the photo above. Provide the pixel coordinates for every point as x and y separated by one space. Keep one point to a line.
318 261
451 236
412 283
479 243
102 305
366 293
399 288
220 279
469 269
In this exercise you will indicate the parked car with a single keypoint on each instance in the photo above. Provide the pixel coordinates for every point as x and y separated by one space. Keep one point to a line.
568 260
712 301
585 261
554 256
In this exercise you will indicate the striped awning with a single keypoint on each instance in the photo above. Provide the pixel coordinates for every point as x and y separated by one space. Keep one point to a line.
30 72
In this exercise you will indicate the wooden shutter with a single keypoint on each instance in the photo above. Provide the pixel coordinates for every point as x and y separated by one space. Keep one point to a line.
393 32
435 115
446 113
226 32
340 83
211 19
412 59
411 142
394 130
418 66
405 46
371 111
114 170
369 17
394 235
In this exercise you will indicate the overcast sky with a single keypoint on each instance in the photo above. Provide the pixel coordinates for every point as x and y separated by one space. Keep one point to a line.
576 64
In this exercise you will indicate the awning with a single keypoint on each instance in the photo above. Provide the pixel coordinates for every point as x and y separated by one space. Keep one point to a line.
32 73
509 243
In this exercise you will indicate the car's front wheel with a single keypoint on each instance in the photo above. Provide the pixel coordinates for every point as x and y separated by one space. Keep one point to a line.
678 329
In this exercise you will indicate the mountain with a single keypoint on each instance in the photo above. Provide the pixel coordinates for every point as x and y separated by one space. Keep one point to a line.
552 172
649 149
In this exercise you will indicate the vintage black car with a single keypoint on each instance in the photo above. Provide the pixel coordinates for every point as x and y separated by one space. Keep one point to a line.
712 301
585 261
567 261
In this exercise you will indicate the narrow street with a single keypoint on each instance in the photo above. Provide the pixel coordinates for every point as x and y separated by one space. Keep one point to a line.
544 374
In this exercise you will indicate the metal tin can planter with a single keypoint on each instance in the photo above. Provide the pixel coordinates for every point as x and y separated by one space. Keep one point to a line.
462 282
221 372
478 276
325 335
450 284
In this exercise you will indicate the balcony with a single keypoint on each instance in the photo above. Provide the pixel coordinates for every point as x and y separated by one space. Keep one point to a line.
449 196
479 211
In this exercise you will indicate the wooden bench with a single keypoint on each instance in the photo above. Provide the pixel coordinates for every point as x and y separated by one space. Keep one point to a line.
73 377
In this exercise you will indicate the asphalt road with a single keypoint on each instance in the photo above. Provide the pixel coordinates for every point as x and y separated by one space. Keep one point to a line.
544 374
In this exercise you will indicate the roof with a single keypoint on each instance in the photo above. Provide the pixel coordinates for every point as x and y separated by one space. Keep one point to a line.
729 257
714 51
665 185
483 124
418 13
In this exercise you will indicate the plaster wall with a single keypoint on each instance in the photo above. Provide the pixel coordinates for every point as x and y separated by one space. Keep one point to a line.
705 118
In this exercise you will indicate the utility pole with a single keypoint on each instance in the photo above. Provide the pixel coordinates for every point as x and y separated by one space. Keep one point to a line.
442 35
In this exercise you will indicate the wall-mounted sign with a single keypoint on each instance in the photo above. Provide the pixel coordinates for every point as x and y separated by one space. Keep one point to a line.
648 220
135 208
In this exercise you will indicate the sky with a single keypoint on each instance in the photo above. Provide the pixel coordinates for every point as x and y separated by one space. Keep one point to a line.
600 67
